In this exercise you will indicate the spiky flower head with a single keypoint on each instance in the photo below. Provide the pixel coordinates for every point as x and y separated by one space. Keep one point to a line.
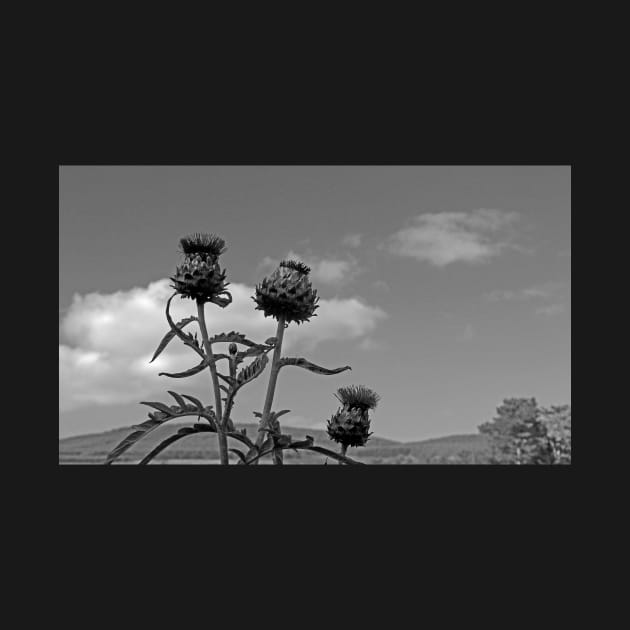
357 397
287 293
203 244
349 427
200 277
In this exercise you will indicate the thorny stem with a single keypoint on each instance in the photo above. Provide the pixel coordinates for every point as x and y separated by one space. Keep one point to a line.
273 379
223 449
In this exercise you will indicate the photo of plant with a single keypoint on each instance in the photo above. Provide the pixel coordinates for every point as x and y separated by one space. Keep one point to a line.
430 305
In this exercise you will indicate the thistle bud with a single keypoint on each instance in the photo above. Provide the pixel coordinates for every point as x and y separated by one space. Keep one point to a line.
287 293
232 349
349 427
200 277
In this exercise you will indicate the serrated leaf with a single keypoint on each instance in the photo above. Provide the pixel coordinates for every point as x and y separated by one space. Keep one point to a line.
307 365
230 337
178 399
170 335
253 370
160 407
140 431
194 370
187 339
182 433
195 401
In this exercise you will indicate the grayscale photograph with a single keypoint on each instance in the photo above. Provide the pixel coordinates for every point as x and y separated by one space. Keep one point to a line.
314 315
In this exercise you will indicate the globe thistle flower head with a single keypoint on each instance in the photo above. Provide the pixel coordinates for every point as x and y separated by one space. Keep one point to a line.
287 293
200 277
349 427
357 397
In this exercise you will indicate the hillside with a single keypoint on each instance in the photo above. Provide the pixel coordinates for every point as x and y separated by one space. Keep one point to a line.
93 448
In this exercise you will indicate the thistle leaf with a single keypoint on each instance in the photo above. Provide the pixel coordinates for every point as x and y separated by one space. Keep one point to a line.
160 407
307 365
194 370
232 336
253 370
182 433
178 399
140 431
195 401
187 339
168 337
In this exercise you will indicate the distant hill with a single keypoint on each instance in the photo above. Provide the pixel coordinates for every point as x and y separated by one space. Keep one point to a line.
202 448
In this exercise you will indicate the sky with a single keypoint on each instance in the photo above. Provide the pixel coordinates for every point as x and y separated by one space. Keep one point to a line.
445 288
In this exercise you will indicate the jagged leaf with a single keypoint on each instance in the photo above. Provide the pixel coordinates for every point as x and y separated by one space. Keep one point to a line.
195 401
182 433
170 335
140 431
253 370
178 399
307 365
233 336
186 338
194 370
160 407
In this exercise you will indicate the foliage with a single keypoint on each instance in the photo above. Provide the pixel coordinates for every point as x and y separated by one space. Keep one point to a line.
524 433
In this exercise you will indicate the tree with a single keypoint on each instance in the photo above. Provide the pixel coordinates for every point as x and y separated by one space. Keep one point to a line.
516 434
557 423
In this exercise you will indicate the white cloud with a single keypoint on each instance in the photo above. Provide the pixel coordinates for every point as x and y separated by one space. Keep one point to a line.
331 271
352 240
448 237
107 341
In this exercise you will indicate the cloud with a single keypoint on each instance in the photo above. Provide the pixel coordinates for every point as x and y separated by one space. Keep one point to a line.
448 237
330 271
539 291
352 240
550 292
107 340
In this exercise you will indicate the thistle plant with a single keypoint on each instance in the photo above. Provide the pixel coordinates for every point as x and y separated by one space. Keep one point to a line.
350 425
286 295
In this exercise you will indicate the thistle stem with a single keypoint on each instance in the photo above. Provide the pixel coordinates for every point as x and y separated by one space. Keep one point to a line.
344 448
273 379
223 448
